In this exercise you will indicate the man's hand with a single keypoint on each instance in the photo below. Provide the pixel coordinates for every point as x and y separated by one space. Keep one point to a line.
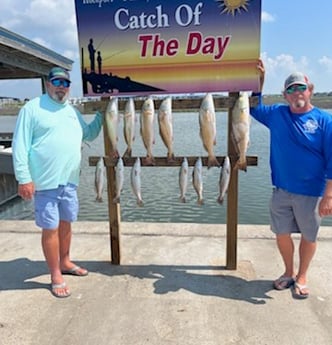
261 71
26 190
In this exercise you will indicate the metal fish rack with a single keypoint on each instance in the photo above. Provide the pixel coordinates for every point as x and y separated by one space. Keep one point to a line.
221 103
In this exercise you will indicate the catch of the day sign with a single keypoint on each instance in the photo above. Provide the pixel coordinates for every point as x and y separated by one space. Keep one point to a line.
163 47
155 45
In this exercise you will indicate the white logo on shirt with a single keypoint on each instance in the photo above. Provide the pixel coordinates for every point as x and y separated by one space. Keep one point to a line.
310 126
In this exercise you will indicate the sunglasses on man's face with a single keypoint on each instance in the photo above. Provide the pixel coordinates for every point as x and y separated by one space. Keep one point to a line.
294 88
60 82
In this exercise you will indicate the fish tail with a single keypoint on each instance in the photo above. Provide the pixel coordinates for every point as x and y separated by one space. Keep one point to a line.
170 157
213 162
183 199
116 200
200 201
241 165
127 152
115 153
220 200
99 198
149 160
140 203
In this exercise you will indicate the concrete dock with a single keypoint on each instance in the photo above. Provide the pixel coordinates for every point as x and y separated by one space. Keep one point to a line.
171 288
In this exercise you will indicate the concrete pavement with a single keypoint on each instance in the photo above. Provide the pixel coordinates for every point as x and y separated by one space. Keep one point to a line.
171 288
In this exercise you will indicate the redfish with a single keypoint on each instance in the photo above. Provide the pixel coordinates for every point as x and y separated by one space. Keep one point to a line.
241 129
208 131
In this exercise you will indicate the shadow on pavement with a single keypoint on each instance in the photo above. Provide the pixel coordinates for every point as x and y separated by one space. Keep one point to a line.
202 280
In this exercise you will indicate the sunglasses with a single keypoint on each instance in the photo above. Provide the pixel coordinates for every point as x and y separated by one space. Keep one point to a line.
60 82
294 88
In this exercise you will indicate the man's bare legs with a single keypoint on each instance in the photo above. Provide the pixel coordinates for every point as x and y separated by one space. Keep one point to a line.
306 253
51 248
66 264
56 248
286 249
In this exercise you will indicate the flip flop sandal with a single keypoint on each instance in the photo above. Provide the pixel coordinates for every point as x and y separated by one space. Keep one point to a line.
298 291
75 271
283 283
63 285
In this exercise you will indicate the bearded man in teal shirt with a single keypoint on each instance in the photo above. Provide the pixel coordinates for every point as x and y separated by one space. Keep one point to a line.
47 155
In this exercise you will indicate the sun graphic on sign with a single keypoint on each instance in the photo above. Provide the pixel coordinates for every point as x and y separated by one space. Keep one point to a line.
231 6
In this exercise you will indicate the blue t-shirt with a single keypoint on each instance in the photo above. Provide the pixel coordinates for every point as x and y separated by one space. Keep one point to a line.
47 142
300 147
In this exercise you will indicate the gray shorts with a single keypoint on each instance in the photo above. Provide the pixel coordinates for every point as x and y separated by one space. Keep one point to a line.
294 213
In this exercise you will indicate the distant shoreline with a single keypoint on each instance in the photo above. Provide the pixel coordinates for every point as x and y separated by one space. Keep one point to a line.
324 102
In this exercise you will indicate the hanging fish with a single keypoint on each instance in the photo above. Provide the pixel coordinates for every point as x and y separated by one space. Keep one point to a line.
165 121
241 129
129 120
112 121
198 180
99 179
225 175
208 132
136 181
119 178
183 179
147 128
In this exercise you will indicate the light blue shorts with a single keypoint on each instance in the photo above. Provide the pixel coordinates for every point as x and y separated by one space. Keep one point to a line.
57 204
294 213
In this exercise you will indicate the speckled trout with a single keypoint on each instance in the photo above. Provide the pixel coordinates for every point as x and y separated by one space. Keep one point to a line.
99 179
225 175
198 180
183 179
136 181
119 178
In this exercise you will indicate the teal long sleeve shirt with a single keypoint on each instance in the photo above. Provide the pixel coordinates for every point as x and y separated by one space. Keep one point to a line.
47 143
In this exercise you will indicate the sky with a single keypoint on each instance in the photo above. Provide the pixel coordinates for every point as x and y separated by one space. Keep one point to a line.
295 36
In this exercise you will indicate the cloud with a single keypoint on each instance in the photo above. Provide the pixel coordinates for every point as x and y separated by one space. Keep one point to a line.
267 17
279 67
55 19
326 63
284 62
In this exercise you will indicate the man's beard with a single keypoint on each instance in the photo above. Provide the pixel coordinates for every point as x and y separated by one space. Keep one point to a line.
300 103
61 97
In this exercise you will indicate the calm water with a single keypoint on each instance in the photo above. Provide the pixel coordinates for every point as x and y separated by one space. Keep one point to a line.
160 187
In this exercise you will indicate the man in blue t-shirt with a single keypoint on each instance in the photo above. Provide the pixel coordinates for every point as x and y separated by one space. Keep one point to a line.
47 155
301 173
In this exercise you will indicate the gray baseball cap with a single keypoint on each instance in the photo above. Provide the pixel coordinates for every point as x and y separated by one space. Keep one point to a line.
296 78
